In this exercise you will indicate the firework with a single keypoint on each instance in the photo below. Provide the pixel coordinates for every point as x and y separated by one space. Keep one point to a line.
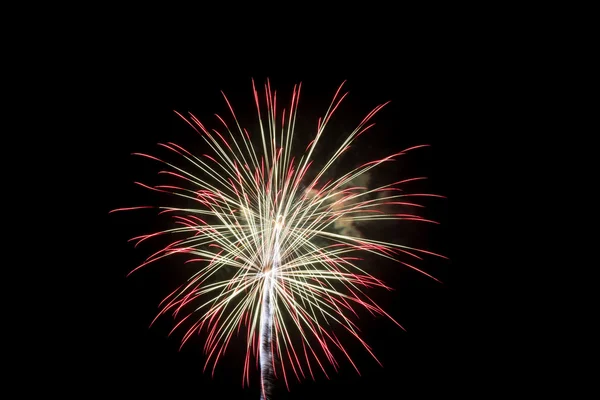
264 231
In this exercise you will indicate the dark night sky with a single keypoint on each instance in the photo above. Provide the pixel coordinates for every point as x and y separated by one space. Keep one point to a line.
142 88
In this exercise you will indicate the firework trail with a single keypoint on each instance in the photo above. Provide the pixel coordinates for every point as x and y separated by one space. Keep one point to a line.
272 257
266 317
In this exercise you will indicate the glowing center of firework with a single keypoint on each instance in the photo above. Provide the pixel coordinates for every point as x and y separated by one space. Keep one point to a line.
267 269
279 223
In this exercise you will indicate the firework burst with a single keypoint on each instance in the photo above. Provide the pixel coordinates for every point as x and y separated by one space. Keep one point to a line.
261 228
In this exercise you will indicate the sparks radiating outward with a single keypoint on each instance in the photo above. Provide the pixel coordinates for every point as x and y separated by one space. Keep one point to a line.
271 260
